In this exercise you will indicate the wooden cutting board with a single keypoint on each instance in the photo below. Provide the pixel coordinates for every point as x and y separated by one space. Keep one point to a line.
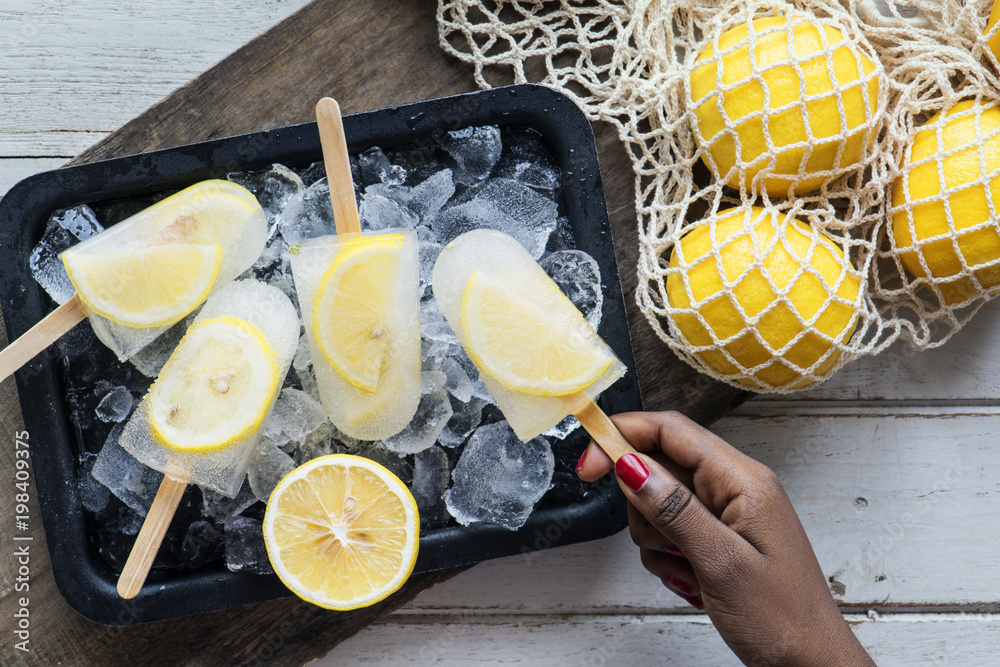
368 54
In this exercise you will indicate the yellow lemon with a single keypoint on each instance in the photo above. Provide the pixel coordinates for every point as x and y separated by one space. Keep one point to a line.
342 532
747 119
761 253
145 287
922 237
541 346
216 388
354 319
994 42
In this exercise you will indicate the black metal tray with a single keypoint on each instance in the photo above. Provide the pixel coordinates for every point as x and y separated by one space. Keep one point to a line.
88 582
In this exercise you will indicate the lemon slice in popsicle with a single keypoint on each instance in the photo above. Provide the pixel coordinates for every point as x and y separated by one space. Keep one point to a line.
216 388
541 347
148 286
342 532
353 320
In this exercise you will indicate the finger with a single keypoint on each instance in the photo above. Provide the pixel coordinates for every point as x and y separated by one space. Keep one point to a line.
593 464
677 570
675 511
682 440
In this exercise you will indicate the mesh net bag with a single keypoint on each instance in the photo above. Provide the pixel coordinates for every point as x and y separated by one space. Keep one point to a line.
801 185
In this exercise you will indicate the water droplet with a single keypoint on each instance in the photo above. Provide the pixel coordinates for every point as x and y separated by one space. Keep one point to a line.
415 119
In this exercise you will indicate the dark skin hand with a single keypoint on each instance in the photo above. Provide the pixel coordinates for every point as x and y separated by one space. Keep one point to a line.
717 528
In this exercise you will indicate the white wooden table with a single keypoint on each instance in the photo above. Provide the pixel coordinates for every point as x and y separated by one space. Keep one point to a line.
891 464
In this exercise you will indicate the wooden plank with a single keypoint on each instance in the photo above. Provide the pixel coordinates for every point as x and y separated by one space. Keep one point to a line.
93 65
329 47
893 640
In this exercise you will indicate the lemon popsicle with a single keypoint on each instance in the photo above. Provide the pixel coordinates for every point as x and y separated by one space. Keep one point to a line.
360 304
536 353
202 418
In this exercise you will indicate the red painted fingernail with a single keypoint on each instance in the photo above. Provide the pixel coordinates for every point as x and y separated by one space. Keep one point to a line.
671 549
679 586
694 601
632 471
579 464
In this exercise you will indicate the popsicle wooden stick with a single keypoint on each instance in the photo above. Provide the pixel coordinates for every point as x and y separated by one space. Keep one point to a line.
40 336
600 428
161 512
338 166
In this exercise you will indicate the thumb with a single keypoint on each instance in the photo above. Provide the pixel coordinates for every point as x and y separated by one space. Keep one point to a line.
674 510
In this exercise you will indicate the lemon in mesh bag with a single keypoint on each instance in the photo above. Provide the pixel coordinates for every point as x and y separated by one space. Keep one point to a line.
763 298
790 96
946 201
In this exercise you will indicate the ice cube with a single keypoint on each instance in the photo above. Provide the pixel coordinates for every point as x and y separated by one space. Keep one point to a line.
132 482
563 237
202 544
150 359
432 381
498 478
526 159
307 214
294 416
93 495
115 406
458 383
272 187
376 168
267 468
422 432
220 508
245 550
317 170
396 464
475 151
506 206
430 481
65 228
428 253
563 428
579 277
324 440
429 197
378 212
465 418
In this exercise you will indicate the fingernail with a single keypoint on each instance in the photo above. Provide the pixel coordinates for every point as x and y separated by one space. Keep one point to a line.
680 586
694 601
671 549
579 464
632 471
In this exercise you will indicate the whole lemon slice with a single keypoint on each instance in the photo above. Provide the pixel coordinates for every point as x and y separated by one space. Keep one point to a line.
145 287
342 532
354 323
216 388
540 346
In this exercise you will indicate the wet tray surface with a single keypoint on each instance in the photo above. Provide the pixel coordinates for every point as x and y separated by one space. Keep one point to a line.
59 443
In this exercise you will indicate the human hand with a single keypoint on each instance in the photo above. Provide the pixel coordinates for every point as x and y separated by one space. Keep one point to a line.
717 528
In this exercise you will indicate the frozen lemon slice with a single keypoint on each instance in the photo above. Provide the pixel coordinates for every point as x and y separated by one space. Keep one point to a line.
353 312
216 388
542 347
148 286
341 532
209 212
